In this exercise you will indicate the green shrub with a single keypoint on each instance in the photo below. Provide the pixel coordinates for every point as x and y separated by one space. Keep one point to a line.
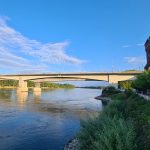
142 83
107 134
123 125
138 110
127 85
108 91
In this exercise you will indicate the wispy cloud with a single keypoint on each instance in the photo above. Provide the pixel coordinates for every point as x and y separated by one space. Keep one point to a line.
135 60
132 45
15 50
140 44
126 46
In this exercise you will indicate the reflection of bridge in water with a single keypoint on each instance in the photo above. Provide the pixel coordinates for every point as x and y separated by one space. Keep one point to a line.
23 96
112 78
37 103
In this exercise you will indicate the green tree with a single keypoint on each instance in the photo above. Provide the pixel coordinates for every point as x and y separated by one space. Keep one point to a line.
142 82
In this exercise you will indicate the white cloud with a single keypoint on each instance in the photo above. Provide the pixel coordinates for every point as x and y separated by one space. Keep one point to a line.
132 45
15 50
140 44
135 60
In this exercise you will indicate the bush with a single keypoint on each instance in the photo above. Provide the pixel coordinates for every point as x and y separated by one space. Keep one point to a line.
138 110
107 133
127 85
123 125
108 91
142 83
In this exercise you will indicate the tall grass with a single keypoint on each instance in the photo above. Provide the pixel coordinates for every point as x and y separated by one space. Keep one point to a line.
123 125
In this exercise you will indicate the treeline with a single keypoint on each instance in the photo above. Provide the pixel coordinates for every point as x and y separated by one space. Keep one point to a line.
56 85
13 83
141 84
8 83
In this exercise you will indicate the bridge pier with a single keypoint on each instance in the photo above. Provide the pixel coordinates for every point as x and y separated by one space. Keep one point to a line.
22 86
37 87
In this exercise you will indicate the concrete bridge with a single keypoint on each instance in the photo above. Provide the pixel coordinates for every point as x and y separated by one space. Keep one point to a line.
112 78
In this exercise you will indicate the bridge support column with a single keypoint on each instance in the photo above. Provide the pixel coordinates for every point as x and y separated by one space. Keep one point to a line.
22 86
37 87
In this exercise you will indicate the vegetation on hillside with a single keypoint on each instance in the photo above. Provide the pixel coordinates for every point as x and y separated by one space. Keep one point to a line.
125 122
127 85
142 83
123 125
108 91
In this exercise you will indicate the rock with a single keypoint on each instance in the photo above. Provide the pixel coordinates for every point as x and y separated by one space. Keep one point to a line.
105 100
72 145
147 49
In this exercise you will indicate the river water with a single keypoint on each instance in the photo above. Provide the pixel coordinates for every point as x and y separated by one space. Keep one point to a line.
46 120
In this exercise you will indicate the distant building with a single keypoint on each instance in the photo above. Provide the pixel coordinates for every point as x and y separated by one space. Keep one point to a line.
147 49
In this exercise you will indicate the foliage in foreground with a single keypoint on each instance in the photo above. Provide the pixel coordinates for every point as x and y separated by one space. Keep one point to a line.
123 125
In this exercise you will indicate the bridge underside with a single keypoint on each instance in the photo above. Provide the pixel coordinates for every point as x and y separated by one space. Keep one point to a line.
112 78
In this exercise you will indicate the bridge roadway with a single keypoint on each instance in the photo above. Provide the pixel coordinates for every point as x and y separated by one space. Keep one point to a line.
111 77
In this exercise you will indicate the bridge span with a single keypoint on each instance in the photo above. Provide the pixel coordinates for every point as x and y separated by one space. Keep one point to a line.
111 77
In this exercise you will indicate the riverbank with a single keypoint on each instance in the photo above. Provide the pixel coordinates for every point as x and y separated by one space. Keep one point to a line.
91 87
105 100
123 125
72 144
11 87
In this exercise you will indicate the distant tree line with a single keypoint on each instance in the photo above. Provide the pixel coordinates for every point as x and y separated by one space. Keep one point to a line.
4 83
14 83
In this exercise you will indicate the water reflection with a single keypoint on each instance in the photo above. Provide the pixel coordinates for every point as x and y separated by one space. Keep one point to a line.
46 120
21 97
37 97
5 94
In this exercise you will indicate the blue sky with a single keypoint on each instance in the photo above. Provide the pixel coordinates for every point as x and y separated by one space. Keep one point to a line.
73 35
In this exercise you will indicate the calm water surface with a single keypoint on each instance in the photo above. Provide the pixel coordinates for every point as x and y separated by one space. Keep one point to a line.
46 120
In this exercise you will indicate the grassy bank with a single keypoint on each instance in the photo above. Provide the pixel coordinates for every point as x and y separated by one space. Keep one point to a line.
123 125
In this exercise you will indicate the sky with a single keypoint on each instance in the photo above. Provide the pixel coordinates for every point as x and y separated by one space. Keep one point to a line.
44 36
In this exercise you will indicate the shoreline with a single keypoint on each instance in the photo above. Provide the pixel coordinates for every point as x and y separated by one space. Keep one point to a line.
11 87
73 144
105 100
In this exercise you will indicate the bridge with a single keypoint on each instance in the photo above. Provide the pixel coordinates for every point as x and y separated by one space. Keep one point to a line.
112 78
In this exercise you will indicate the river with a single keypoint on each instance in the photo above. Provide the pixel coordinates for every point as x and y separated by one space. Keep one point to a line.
46 120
